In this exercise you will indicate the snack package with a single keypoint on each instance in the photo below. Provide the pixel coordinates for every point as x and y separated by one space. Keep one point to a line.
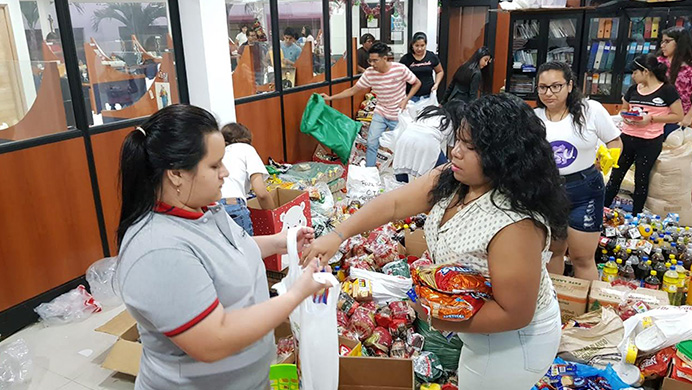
285 346
398 328
416 341
380 341
362 323
361 290
365 262
383 317
451 292
341 319
427 367
397 268
346 303
656 366
402 311
399 350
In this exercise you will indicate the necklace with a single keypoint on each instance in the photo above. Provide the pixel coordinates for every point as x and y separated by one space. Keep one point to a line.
464 204
562 115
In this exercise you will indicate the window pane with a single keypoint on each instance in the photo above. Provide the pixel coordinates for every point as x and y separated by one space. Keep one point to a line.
249 38
396 31
302 43
34 93
338 39
366 27
126 58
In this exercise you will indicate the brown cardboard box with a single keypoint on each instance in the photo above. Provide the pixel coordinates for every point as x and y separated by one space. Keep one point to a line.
293 209
355 372
673 384
415 242
603 294
572 294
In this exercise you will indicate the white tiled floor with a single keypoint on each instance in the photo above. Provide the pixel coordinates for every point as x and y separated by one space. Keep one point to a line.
69 357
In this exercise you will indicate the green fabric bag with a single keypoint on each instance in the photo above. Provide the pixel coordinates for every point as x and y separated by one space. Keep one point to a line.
332 128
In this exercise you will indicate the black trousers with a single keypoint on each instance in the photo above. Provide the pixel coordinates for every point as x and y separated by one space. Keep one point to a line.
643 153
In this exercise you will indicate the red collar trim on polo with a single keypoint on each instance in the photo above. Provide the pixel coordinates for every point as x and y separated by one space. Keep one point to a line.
167 209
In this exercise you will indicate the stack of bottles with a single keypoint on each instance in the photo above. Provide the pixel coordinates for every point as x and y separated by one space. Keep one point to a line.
647 251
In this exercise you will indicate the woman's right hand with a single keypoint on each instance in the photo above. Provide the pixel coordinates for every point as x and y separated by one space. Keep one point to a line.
326 97
306 285
323 248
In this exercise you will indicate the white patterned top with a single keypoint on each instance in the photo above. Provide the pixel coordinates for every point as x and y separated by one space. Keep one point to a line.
465 237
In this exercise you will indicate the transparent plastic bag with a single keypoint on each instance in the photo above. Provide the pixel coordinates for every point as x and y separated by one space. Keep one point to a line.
15 364
100 278
73 306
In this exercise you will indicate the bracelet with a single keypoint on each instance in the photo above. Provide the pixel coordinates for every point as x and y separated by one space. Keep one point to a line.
341 236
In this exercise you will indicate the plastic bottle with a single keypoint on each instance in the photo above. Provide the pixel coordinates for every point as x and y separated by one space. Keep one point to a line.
674 250
626 273
657 257
634 258
682 280
652 281
687 258
610 271
620 264
661 267
670 283
604 256
643 270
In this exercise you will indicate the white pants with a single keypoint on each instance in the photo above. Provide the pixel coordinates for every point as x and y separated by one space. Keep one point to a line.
514 360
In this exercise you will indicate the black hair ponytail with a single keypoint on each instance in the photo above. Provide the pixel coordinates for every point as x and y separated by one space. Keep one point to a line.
650 62
172 138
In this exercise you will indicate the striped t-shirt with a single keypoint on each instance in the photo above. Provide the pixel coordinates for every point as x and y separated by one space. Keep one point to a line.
390 87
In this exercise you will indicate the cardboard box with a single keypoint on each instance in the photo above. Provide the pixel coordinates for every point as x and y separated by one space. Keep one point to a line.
355 372
415 242
672 384
603 294
293 209
572 294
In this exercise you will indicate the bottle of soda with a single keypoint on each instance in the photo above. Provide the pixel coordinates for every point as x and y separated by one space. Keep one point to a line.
686 258
620 264
670 282
682 279
652 281
661 267
673 250
657 257
627 272
610 271
643 270
634 258
604 256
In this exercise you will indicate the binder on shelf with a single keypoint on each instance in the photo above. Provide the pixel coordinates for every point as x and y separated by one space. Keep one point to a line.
647 47
611 57
606 55
640 49
647 28
599 55
593 32
594 84
631 53
627 83
592 55
654 27
608 25
588 81
652 47
608 85
601 27
616 24
630 30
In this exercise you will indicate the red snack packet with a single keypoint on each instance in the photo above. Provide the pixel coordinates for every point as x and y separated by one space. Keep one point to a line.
656 366
380 340
402 311
362 323
383 317
341 319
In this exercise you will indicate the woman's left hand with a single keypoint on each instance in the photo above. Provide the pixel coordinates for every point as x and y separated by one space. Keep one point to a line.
305 237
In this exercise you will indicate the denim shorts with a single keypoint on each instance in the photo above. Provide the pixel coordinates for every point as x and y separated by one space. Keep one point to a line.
240 214
586 192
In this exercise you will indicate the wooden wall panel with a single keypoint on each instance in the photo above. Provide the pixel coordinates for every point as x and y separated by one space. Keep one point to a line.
106 148
501 51
299 146
343 105
49 229
263 118
466 35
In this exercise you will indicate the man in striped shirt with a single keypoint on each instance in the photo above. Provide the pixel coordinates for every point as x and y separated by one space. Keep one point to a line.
388 82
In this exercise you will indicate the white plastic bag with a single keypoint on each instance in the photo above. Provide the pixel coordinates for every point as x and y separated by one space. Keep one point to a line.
385 288
15 364
100 278
388 138
363 182
671 325
73 306
415 108
314 329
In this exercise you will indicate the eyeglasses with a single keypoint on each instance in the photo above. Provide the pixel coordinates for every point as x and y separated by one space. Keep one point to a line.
555 88
371 61
666 41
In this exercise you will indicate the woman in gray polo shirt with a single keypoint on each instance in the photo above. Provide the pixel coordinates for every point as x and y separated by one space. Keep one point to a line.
191 277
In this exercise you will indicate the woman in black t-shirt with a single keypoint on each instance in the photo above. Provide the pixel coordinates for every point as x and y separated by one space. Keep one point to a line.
423 63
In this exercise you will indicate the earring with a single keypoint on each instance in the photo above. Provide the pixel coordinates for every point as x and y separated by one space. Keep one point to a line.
178 189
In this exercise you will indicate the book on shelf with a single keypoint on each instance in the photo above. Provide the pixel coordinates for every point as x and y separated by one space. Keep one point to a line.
562 28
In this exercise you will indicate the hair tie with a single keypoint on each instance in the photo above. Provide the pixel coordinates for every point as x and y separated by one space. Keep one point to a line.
139 128
640 65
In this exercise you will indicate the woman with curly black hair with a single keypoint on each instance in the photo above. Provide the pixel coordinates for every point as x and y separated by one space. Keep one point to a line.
574 127
494 209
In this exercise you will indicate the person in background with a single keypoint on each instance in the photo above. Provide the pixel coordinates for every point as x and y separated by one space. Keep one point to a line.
259 56
493 209
467 80
420 148
242 36
388 82
306 36
657 102
574 127
423 64
291 51
245 171
194 280
363 52
676 50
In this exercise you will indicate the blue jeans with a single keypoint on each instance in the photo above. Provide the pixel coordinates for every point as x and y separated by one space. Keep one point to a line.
378 126
586 192
416 99
240 214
